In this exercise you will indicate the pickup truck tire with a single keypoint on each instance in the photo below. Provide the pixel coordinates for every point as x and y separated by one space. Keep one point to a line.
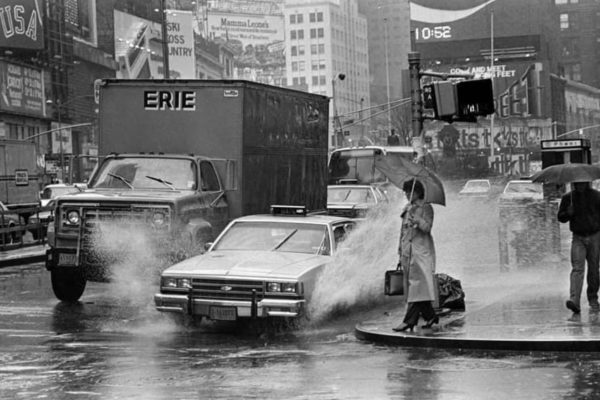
68 285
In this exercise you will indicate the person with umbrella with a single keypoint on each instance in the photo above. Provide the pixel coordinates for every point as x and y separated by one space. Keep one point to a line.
580 207
417 257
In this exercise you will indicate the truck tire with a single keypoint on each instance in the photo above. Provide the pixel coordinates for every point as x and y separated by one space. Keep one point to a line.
68 285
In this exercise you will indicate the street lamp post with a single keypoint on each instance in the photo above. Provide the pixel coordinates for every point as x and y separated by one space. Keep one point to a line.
387 77
336 118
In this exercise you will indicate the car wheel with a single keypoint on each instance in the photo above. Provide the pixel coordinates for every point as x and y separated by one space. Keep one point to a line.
68 285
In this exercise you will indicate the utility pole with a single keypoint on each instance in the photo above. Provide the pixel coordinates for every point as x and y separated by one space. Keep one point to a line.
414 66
165 39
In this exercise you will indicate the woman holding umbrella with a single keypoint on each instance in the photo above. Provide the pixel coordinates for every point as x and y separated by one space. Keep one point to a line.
417 257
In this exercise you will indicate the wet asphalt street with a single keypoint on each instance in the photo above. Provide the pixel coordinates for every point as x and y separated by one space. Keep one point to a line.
114 345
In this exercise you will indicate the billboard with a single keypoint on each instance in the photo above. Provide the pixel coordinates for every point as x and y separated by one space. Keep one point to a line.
255 32
21 25
180 33
138 47
22 89
440 20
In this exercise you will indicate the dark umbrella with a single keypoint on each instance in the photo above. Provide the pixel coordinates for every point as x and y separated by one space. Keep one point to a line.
399 170
561 174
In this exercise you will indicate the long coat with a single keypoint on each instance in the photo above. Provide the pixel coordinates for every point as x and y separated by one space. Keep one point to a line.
417 251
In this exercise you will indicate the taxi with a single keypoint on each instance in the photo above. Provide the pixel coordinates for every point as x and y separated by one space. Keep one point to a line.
354 200
260 266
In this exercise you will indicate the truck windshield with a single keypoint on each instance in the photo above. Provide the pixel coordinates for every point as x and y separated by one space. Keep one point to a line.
146 173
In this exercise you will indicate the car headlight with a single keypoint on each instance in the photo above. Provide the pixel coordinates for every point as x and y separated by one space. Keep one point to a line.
282 287
73 217
176 283
158 219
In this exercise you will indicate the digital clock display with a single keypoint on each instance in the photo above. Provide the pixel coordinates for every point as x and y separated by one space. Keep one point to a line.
434 32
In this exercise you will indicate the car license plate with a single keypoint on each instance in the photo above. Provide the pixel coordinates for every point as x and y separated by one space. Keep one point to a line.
67 259
223 313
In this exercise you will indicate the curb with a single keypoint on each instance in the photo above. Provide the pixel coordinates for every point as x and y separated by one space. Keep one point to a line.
578 345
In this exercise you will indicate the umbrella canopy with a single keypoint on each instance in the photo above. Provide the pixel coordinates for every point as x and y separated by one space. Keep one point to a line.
565 173
399 170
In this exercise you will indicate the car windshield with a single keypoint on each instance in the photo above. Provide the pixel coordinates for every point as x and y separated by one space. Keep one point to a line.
350 195
146 173
523 187
276 236
477 185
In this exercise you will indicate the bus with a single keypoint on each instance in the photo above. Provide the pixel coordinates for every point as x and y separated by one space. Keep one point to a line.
357 164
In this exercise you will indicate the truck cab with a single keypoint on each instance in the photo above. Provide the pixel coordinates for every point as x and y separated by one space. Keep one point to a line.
178 202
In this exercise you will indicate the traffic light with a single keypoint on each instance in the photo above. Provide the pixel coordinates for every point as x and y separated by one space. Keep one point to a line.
459 101
475 97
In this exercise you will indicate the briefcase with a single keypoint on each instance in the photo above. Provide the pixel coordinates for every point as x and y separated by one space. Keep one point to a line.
394 282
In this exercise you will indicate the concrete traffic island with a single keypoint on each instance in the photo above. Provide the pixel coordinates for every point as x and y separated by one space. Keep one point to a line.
515 311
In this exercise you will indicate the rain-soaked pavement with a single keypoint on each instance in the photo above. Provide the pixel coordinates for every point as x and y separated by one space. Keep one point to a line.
114 345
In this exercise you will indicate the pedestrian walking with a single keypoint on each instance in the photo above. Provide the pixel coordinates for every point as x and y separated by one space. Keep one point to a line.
417 257
581 208
393 139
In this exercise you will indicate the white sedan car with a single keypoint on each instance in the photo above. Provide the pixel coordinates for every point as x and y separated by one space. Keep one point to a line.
260 266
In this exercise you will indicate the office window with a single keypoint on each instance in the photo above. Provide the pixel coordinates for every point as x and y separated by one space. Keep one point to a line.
294 51
312 17
315 80
293 34
295 81
322 80
300 18
292 18
319 17
320 33
301 34
314 65
303 80
313 49
294 65
321 49
313 33
301 65
301 50
80 18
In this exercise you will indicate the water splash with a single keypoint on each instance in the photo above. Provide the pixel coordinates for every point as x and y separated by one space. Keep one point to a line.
355 277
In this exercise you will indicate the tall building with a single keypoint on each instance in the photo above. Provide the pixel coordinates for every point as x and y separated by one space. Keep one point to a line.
327 53
388 24
579 31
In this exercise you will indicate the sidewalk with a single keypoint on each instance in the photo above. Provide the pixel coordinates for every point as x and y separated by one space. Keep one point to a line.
23 255
515 310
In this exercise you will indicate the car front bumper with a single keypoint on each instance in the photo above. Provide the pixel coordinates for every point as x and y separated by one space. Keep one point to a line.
263 308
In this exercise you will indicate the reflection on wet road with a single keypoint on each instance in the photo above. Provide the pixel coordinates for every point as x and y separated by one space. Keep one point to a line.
111 346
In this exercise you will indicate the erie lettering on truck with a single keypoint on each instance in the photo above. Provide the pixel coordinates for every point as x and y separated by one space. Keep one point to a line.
173 100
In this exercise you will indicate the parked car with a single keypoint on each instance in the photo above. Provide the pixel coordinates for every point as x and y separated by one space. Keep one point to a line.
522 191
10 219
262 266
353 200
57 189
47 197
476 188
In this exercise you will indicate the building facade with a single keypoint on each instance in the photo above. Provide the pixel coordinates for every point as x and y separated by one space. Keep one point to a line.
515 44
579 36
327 53
389 43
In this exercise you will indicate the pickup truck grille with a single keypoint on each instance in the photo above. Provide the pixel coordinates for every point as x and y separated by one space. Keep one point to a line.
225 289
133 216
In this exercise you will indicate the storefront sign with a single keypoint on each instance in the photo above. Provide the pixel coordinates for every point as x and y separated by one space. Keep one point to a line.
21 89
